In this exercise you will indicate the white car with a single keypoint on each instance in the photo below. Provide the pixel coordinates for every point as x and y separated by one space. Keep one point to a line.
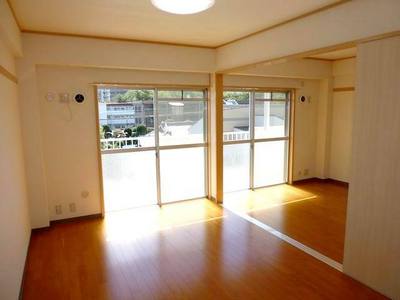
230 102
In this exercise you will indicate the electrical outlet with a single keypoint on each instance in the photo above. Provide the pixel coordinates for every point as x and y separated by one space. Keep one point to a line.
72 207
299 173
58 210
305 172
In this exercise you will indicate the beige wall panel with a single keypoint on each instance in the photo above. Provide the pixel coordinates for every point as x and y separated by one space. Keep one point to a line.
344 73
340 138
372 247
15 225
324 116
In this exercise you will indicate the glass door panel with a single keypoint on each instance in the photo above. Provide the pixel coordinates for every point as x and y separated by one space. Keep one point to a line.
126 123
236 123
126 118
270 163
182 174
236 167
129 180
182 119
236 116
181 122
270 119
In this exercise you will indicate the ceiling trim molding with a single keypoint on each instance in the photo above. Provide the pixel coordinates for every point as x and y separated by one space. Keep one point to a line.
330 59
343 58
8 75
14 14
171 43
315 11
114 38
152 85
313 52
344 89
320 59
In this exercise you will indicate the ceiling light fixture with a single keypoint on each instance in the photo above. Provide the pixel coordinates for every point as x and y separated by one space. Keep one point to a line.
183 7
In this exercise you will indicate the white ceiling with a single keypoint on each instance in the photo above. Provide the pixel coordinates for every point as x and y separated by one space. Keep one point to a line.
338 54
138 19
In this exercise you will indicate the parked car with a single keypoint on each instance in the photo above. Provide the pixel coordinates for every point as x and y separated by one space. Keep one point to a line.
230 102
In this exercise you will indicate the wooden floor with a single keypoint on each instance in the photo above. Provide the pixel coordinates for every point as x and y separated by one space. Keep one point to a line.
311 212
191 250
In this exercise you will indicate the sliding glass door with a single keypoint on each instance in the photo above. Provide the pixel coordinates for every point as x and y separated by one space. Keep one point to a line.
153 145
256 138
182 144
237 160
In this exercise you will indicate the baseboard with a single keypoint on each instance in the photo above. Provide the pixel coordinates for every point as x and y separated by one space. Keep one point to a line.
337 182
40 229
321 180
308 180
74 219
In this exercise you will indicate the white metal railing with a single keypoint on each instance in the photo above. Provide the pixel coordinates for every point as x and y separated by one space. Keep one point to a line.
122 112
134 142
119 143
236 136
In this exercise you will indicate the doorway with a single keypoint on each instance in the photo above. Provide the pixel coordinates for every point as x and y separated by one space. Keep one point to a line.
256 138
153 144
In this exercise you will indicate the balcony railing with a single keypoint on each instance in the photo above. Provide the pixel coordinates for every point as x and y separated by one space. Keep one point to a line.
236 136
134 142
119 143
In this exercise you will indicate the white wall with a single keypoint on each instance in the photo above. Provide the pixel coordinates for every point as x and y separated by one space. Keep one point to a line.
261 81
341 140
14 216
88 52
342 119
9 31
324 117
344 72
299 68
305 131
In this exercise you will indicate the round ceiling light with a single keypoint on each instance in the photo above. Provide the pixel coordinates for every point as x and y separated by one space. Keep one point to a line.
183 7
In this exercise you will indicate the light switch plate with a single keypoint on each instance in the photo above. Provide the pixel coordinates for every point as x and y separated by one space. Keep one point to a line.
63 97
50 96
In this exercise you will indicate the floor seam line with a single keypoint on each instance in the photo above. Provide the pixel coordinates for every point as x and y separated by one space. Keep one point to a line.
289 240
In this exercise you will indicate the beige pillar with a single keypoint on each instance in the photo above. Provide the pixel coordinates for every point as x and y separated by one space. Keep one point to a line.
324 123
215 138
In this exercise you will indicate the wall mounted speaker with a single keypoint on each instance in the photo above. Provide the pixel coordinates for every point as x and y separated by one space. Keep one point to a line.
79 98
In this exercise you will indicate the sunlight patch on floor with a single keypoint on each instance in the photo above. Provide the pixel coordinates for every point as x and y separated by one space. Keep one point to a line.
132 224
265 198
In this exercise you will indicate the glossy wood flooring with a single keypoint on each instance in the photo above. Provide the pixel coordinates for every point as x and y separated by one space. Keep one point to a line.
311 212
191 250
